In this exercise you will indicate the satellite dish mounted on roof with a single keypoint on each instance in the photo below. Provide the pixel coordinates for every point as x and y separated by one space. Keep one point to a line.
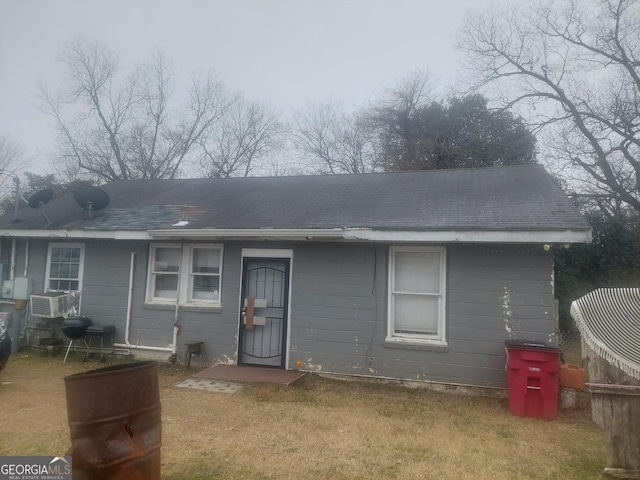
90 198
40 199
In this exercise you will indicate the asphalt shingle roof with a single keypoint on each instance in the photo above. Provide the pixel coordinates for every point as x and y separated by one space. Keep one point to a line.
520 198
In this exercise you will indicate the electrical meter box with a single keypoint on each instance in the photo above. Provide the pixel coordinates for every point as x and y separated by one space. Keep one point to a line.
7 289
21 288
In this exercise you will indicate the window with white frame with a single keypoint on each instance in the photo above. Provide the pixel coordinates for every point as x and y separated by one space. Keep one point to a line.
64 267
417 294
189 273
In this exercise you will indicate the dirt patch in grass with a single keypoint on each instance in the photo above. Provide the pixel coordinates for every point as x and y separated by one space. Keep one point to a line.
316 429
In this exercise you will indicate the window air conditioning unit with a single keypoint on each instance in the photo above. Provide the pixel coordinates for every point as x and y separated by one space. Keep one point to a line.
51 304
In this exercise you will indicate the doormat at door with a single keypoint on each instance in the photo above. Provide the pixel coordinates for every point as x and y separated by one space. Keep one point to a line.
210 385
242 373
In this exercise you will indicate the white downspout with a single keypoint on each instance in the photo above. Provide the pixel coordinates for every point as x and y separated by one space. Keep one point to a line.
127 326
174 345
26 259
13 260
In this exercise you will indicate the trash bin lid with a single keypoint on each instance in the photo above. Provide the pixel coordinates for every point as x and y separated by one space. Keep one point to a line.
531 344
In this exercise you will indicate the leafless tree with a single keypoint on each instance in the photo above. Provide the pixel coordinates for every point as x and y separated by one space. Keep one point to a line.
12 158
417 89
247 134
12 161
11 155
112 129
575 67
332 141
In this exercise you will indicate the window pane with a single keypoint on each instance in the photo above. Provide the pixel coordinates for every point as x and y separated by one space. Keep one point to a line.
417 272
166 286
206 287
166 259
63 285
206 260
67 255
416 314
54 270
64 271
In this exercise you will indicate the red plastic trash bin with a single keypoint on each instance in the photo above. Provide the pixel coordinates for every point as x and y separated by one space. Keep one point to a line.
532 378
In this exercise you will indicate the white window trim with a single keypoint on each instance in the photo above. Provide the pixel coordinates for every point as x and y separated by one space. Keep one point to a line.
422 339
47 279
185 287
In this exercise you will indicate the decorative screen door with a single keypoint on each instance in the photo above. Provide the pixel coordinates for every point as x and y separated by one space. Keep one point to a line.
263 319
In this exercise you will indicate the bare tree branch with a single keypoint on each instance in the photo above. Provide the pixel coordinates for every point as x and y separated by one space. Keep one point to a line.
247 133
111 129
575 71
332 141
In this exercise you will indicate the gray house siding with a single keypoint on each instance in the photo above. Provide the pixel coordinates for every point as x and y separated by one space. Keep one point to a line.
494 293
338 307
105 281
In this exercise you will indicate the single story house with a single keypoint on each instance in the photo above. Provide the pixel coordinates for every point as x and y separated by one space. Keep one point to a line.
416 276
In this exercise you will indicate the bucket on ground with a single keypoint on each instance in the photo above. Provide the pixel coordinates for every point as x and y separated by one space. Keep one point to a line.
114 422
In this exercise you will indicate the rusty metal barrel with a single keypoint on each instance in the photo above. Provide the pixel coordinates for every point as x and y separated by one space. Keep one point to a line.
114 422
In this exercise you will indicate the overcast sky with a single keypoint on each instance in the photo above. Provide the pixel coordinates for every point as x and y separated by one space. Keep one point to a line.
285 52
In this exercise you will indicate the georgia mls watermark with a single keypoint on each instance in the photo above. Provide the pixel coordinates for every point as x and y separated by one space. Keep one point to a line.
35 468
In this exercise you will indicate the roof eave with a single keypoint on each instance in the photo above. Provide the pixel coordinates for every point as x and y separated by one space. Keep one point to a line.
473 236
420 236
480 236
76 234
252 233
